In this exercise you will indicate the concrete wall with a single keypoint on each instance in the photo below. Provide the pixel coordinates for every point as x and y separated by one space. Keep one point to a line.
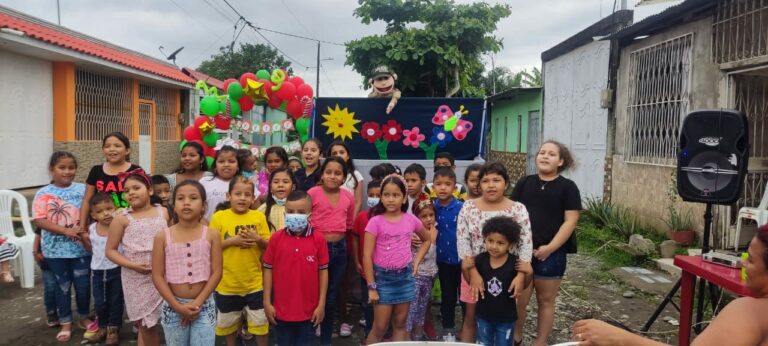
166 157
644 187
505 132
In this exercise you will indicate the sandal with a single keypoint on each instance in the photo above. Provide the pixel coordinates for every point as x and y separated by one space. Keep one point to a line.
64 335
6 277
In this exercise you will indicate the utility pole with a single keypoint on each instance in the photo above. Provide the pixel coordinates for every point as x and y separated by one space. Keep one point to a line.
58 11
317 81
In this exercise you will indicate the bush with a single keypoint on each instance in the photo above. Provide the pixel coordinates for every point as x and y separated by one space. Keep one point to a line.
616 219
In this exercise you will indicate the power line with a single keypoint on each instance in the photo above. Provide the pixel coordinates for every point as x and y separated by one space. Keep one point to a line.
295 17
325 73
219 11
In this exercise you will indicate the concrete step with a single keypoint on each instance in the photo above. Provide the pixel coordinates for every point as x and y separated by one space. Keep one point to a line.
649 281
666 265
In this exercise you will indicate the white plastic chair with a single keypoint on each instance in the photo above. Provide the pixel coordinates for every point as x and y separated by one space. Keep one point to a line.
759 214
24 264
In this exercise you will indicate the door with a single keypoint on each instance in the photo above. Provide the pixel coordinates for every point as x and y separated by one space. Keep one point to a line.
146 134
534 141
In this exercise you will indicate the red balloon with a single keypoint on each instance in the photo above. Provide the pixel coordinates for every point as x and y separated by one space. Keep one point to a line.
199 121
267 86
275 102
287 91
192 133
227 83
245 77
304 90
295 80
210 152
222 122
246 103
293 108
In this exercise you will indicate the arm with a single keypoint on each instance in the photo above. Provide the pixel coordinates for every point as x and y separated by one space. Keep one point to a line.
737 324
116 231
49 226
599 333
216 269
368 246
355 251
269 310
158 278
426 241
319 313
561 237
36 249
86 239
358 196
85 208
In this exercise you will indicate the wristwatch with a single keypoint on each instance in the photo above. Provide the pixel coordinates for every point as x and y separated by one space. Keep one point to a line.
372 286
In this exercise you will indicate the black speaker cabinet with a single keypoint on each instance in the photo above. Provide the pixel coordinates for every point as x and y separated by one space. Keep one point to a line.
712 156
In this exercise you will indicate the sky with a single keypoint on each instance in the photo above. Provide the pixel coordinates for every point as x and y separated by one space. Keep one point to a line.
202 26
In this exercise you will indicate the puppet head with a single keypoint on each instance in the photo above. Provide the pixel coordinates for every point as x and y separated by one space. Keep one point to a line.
383 81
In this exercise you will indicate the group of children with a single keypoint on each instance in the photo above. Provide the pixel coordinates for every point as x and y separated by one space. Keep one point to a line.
229 250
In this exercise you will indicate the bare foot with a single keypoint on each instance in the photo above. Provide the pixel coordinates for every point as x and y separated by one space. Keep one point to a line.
6 277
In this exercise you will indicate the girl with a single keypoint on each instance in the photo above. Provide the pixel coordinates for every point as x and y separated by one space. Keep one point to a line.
281 183
248 160
307 177
104 177
135 228
553 203
186 267
418 310
470 180
8 251
333 212
494 180
354 180
294 164
225 167
57 211
192 165
274 158
387 259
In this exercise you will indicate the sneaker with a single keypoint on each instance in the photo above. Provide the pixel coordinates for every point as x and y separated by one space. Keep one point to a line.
113 336
361 322
449 337
93 330
95 336
345 330
52 320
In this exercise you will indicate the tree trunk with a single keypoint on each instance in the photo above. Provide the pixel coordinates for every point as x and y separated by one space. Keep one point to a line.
456 87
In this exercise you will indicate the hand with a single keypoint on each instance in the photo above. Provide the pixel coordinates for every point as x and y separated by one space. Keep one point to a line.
243 241
189 312
543 252
415 240
390 106
415 269
39 256
477 286
142 268
517 286
524 267
269 310
72 233
318 315
373 296
359 268
597 333
468 263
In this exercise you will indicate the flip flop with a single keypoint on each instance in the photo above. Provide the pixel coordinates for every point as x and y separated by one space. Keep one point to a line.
64 336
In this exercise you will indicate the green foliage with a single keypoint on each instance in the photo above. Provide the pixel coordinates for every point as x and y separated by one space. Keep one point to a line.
619 221
431 44
501 78
249 58
677 220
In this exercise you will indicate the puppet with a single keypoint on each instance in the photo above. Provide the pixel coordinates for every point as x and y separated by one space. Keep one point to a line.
383 85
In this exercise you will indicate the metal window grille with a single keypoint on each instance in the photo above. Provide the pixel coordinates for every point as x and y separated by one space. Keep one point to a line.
165 110
740 30
752 98
103 104
658 99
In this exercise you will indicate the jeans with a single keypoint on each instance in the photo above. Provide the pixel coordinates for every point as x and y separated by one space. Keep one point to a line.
367 308
450 281
495 334
552 268
337 267
70 272
108 297
294 333
49 292
201 332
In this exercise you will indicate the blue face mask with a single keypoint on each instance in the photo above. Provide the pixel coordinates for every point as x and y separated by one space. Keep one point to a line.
279 201
373 201
296 223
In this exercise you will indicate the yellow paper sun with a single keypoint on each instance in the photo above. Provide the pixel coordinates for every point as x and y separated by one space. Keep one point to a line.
340 122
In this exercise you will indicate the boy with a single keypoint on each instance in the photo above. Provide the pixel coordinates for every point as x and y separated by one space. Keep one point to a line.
445 159
374 194
162 189
447 208
496 309
415 178
294 297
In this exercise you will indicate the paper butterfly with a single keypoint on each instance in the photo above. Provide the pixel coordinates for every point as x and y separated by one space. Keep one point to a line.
452 121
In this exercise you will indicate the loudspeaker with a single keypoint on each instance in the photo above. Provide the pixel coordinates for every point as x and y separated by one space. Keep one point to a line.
712 156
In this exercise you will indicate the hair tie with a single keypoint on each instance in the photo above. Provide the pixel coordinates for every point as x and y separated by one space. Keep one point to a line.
393 176
122 176
422 202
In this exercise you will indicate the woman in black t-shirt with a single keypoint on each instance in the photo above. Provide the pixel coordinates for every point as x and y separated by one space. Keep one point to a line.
553 203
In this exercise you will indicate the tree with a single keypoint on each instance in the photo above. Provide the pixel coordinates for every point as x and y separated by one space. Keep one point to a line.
502 78
532 79
249 58
434 46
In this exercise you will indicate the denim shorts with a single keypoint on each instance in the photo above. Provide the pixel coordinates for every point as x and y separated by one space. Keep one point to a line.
395 286
202 331
552 268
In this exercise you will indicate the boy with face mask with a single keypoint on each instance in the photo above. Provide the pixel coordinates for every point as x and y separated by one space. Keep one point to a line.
294 296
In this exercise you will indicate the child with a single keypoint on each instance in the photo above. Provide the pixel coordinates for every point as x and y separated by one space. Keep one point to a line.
553 203
281 184
186 267
294 164
134 229
248 160
307 177
225 167
105 177
57 211
244 235
447 208
295 303
49 281
192 165
496 312
358 236
445 159
162 189
333 217
354 180
470 179
105 275
419 308
415 179
8 251
387 259
494 180
274 158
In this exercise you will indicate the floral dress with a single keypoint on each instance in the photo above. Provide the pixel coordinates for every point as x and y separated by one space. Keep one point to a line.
470 223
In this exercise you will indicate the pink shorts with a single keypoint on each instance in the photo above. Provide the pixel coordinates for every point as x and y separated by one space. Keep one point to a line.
466 294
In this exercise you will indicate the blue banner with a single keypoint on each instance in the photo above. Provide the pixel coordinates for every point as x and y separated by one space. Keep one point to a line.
415 130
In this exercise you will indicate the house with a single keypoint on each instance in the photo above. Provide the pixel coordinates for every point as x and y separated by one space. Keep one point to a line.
515 125
62 90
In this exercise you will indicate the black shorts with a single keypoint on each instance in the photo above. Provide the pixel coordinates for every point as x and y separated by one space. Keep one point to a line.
232 303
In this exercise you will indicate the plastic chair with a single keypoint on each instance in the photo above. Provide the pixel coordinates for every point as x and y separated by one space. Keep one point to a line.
24 264
759 214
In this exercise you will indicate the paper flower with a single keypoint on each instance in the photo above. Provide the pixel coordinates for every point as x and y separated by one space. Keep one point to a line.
371 131
340 122
440 137
391 131
413 137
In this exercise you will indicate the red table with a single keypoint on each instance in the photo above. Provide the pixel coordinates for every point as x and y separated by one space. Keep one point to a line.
692 267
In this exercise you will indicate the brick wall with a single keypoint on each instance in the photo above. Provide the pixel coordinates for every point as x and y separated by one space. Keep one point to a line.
89 154
514 162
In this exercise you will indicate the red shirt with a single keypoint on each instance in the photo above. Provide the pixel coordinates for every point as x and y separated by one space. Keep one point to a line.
327 218
295 262
359 231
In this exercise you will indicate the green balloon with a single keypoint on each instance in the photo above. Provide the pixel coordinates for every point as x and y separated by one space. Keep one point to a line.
210 139
209 161
209 106
262 74
182 144
302 127
234 108
235 91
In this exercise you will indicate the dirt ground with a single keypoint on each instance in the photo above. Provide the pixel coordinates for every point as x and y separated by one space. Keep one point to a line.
586 293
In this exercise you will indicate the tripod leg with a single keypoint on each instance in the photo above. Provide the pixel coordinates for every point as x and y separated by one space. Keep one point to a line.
660 308
699 306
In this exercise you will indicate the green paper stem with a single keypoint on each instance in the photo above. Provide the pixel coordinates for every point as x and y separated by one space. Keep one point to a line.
381 148
429 150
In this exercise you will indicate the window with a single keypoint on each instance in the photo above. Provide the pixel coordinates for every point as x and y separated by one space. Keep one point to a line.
657 100
165 110
103 104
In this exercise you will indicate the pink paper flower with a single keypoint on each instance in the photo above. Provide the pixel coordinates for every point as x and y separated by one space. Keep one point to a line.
413 137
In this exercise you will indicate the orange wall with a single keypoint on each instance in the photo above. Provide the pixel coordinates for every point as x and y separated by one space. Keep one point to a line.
63 101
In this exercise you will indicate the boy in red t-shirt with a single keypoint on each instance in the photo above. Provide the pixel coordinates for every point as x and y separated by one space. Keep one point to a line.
374 194
296 275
